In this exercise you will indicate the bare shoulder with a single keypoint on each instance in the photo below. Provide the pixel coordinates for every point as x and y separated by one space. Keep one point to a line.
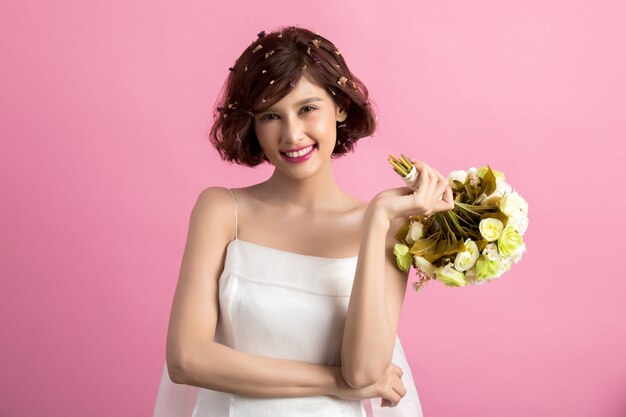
215 206
195 306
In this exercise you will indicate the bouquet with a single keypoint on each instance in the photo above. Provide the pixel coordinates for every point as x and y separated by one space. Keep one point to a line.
474 243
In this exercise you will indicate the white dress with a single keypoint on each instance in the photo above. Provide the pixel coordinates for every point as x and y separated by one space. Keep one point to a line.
284 305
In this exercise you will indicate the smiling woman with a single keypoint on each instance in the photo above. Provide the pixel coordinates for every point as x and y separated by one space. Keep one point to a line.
288 321
270 69
294 131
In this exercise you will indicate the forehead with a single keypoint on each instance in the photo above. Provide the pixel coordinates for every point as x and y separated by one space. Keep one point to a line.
302 91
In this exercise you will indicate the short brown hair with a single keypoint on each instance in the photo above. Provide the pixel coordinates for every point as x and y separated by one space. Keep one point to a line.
266 72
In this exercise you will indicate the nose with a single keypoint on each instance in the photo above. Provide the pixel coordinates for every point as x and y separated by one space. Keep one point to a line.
292 131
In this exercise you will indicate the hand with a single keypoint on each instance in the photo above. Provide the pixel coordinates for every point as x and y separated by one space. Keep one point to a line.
388 388
433 194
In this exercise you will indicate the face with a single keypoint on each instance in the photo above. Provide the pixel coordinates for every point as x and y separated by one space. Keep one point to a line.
305 117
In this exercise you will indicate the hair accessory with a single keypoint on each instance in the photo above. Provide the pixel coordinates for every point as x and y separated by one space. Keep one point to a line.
261 34
291 84
308 50
263 100
259 46
316 42
246 68
250 113
272 82
238 139
303 67
331 90
337 52
348 138
353 84
264 71
269 53
280 35
342 81
317 61
342 125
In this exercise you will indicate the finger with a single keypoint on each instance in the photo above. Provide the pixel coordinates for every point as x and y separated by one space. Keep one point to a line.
422 184
399 389
393 398
398 370
442 184
432 186
447 202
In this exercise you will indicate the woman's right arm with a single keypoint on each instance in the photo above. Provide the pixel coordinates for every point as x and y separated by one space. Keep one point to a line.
193 358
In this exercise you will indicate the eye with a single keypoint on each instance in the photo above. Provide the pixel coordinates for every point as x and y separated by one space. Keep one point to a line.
268 116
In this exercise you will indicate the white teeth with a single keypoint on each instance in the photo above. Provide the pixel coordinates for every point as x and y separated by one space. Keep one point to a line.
299 153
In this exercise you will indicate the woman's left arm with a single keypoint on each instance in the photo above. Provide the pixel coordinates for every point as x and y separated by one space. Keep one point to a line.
375 303
379 285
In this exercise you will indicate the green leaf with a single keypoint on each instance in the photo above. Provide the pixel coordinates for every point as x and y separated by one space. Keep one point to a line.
402 231
489 182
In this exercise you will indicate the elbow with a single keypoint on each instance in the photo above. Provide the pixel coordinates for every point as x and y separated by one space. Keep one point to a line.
176 372
176 367
357 380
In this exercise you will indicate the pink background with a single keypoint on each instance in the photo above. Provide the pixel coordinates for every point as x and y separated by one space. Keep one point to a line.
104 109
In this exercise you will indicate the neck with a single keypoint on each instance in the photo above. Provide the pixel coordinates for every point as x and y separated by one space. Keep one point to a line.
317 192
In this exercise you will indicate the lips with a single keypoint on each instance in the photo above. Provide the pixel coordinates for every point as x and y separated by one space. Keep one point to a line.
301 158
298 149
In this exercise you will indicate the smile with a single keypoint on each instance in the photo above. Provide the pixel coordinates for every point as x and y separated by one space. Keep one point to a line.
301 155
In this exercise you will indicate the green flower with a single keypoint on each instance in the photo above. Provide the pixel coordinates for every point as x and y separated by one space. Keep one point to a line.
509 241
450 276
487 268
404 258
490 228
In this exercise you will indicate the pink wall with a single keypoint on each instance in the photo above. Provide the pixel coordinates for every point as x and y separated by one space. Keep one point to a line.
104 107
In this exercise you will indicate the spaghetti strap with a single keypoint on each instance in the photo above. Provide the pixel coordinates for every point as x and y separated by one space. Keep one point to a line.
235 201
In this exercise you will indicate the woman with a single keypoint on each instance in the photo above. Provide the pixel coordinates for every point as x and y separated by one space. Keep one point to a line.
288 298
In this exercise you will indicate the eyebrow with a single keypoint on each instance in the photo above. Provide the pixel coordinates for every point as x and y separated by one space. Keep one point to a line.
301 102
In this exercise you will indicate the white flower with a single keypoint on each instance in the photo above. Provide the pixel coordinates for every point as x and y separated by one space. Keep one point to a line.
517 256
416 230
519 222
490 251
458 175
424 266
512 204
490 228
502 188
466 259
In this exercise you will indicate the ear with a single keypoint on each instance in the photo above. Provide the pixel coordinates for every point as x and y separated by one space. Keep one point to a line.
341 114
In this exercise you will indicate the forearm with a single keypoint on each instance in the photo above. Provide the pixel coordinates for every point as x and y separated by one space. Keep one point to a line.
221 368
367 345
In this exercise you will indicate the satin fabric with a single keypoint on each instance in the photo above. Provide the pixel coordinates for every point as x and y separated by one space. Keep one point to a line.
284 305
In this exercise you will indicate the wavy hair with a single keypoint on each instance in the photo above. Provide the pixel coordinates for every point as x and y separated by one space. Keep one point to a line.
266 72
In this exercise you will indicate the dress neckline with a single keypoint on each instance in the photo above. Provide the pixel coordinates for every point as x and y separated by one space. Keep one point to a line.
292 253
